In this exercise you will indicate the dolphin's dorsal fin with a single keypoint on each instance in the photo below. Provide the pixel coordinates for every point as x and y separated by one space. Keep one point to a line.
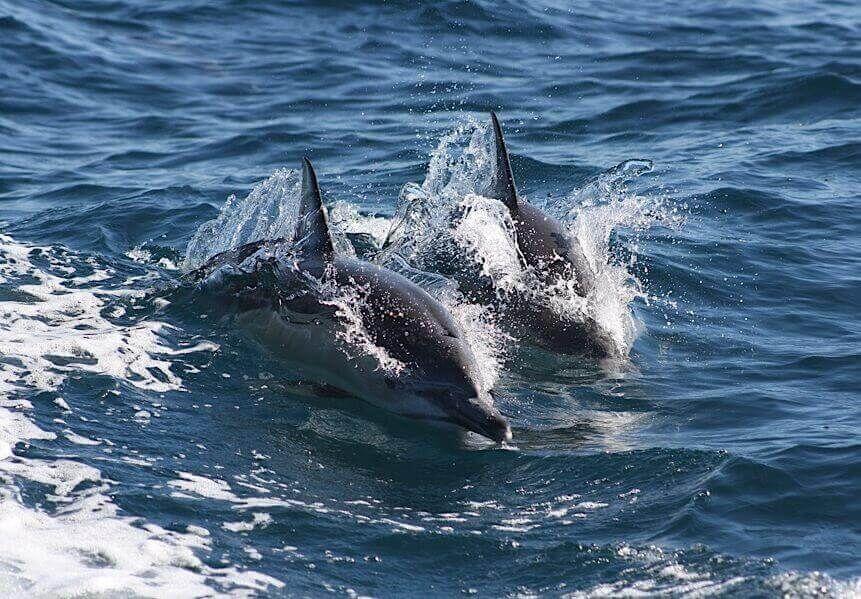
503 188
312 228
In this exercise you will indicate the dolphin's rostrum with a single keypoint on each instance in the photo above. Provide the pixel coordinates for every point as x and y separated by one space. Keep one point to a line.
289 291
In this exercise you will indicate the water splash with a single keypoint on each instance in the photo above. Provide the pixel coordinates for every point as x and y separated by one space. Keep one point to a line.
461 166
484 229
448 219
489 343
270 211
355 336
354 231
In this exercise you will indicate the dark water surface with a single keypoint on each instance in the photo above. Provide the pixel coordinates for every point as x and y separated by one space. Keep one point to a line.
149 450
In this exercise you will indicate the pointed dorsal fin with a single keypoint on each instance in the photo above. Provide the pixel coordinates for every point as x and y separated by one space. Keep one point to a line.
312 228
503 188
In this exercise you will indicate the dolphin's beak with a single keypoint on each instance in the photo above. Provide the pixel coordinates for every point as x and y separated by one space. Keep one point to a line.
480 416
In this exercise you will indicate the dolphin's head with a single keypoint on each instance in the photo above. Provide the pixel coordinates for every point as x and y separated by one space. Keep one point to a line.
453 397
442 379
476 413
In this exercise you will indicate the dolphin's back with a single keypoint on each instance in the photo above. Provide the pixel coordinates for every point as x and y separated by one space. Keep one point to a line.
547 246
541 238
413 326
398 315
391 291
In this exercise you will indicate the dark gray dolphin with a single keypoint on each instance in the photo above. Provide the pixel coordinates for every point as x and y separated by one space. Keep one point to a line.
554 255
289 293
543 241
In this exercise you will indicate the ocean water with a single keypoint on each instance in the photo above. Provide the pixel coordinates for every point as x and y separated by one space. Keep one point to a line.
148 447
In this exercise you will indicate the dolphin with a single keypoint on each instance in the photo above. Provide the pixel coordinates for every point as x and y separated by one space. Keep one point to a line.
554 256
542 240
305 302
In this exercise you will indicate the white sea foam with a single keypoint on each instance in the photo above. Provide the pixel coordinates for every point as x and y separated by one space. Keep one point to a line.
143 256
57 327
202 486
86 546
88 549
78 543
260 520
656 573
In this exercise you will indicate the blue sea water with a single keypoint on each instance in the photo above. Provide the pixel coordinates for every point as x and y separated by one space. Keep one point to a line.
148 449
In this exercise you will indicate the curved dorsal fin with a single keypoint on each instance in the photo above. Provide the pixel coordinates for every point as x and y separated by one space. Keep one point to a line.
503 188
312 228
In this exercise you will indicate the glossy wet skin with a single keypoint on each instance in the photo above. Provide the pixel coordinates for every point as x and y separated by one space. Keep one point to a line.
548 248
416 329
441 381
554 256
536 319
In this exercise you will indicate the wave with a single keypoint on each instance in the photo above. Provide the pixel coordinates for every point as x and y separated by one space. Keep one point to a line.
832 157
67 316
813 97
